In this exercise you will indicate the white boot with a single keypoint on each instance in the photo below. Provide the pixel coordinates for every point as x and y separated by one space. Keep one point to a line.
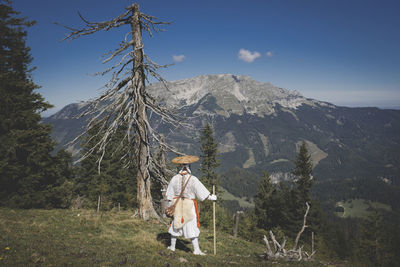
196 248
173 243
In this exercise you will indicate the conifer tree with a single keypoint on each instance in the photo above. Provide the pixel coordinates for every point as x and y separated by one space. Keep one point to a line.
27 169
372 247
303 173
301 193
61 193
116 183
263 203
209 161
273 206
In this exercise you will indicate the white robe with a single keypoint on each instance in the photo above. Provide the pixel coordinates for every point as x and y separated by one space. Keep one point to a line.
194 189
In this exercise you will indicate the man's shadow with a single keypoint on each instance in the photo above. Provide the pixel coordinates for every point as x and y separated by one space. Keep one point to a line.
165 238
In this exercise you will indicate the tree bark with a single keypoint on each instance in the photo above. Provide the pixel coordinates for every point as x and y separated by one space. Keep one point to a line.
312 242
98 204
235 231
145 202
302 228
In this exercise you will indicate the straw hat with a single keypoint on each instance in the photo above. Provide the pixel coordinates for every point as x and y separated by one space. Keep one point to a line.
185 159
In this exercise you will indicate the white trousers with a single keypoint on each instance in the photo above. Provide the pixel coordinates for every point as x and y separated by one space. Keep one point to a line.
189 230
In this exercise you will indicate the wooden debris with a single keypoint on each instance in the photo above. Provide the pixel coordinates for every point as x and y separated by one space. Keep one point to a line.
295 254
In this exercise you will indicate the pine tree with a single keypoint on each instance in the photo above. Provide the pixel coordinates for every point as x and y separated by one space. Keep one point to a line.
115 183
303 173
27 169
300 190
209 161
301 193
373 241
61 192
263 202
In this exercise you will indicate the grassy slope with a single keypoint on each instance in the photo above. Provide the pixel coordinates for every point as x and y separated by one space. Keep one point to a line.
359 208
83 237
225 195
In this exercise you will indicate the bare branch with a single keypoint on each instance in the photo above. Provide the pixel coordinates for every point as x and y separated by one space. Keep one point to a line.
122 48
302 228
280 251
274 242
150 24
269 251
92 27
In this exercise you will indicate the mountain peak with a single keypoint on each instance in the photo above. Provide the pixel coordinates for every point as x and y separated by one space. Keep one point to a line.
232 93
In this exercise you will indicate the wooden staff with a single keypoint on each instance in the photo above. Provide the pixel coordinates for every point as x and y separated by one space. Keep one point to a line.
215 232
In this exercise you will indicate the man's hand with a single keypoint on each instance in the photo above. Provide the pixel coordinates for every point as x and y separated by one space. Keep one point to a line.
212 197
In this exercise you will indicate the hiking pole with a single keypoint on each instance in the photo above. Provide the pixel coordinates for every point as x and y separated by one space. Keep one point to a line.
215 237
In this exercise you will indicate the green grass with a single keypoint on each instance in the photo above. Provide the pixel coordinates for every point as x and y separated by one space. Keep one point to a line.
87 238
225 195
359 208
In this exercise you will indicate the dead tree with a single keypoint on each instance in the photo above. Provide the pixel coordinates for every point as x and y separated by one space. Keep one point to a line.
235 229
125 102
279 251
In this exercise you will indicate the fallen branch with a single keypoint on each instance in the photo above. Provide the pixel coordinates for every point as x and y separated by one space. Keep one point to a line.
280 253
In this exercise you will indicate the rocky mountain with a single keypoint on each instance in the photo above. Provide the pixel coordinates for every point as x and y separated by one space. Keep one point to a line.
259 127
233 95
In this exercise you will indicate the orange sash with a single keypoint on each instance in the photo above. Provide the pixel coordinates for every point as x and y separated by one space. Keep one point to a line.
197 212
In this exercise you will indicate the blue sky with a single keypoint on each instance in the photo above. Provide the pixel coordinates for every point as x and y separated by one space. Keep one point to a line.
343 51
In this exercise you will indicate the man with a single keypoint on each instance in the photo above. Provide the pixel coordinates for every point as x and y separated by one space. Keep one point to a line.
186 216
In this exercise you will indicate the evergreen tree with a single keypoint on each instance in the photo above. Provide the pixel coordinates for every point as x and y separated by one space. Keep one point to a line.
61 192
248 229
301 188
373 240
27 169
115 183
208 164
276 207
292 210
209 161
263 203
301 193
303 173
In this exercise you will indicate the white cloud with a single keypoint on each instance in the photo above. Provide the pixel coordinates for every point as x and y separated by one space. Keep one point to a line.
248 56
178 58
269 54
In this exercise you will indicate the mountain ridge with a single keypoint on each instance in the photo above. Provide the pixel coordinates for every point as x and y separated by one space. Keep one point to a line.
238 93
258 127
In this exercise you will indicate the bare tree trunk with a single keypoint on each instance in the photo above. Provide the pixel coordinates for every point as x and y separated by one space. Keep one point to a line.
312 242
302 228
145 202
235 231
98 204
